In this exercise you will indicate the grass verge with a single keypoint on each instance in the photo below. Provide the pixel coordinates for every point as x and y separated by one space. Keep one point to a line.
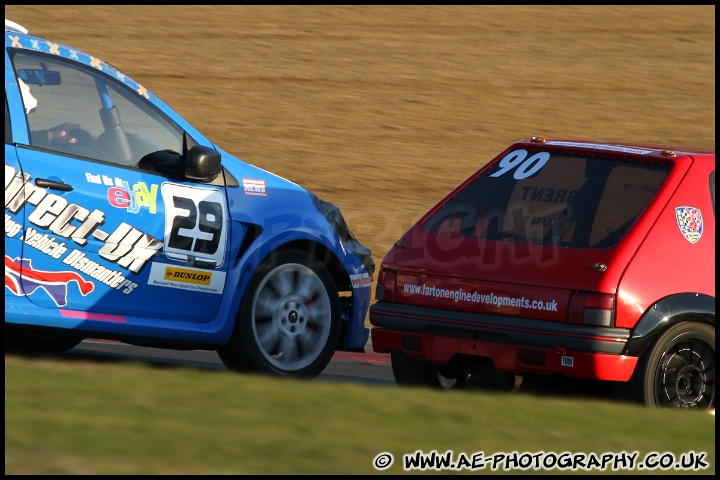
85 418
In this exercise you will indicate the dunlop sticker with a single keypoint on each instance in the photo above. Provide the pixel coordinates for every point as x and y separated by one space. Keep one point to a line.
195 279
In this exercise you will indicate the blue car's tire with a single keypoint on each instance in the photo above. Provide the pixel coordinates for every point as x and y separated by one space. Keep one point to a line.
289 320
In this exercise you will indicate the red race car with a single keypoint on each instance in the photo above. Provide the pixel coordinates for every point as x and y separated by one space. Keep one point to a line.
561 259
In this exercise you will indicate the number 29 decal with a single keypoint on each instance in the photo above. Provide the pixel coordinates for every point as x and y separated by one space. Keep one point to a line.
195 220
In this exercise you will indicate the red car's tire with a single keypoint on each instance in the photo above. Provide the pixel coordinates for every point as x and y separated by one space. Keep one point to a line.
679 369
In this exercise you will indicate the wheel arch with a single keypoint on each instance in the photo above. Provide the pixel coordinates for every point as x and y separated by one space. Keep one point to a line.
669 311
322 254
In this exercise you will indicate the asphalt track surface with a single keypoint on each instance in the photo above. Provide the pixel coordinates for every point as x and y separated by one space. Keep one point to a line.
367 368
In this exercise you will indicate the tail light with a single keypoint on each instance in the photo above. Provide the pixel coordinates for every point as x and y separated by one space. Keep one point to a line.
592 309
385 288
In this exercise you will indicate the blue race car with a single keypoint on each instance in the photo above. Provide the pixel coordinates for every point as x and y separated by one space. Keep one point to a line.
123 222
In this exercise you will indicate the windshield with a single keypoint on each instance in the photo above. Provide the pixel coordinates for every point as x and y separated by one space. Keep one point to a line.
544 198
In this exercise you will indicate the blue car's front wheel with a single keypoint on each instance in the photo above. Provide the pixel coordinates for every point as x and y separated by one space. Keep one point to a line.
289 320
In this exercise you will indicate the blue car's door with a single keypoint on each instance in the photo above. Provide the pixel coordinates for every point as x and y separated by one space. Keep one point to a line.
115 240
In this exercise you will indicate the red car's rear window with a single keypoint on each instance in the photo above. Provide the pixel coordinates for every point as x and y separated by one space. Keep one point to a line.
544 198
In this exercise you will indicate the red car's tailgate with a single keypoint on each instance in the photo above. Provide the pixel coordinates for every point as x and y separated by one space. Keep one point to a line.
497 277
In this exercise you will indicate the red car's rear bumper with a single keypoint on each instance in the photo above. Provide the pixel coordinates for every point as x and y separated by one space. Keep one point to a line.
507 357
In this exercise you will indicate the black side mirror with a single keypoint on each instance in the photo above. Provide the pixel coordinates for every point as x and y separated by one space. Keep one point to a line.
202 164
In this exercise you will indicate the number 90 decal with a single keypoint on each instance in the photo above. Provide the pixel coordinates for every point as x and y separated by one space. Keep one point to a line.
195 220
524 167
